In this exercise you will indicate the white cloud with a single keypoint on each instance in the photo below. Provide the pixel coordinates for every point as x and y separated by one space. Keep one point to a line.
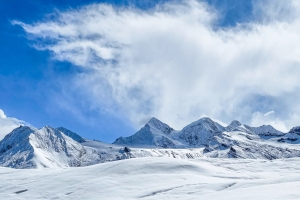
171 62
7 124
2 114
269 113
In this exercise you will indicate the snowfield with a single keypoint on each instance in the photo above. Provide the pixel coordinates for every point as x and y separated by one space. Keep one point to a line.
158 178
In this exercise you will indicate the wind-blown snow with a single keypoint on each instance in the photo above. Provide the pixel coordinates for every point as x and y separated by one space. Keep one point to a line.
158 178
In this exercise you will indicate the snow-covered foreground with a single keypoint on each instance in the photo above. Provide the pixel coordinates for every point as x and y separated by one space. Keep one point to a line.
158 178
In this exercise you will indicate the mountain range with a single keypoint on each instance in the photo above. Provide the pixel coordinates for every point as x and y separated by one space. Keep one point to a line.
28 147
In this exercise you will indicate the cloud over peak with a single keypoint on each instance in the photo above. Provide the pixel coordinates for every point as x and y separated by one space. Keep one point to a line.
172 62
2 114
7 124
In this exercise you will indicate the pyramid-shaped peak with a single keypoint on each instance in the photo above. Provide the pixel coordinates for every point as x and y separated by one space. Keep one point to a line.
235 123
207 123
157 124
154 120
203 120
206 119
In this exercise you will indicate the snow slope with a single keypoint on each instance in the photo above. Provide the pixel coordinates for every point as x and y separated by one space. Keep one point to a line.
158 178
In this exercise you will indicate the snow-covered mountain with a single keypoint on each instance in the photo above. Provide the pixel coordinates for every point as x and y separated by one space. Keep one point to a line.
27 147
154 133
158 134
199 133
292 136
213 140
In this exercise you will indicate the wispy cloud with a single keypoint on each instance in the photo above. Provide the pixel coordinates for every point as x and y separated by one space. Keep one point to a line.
7 124
172 61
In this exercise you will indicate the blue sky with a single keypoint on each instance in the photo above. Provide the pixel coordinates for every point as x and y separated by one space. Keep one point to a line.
43 87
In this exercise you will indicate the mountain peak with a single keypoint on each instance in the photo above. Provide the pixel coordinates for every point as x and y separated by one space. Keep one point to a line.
154 133
157 124
295 130
207 122
154 120
266 130
235 123
45 147
205 119
21 131
201 132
